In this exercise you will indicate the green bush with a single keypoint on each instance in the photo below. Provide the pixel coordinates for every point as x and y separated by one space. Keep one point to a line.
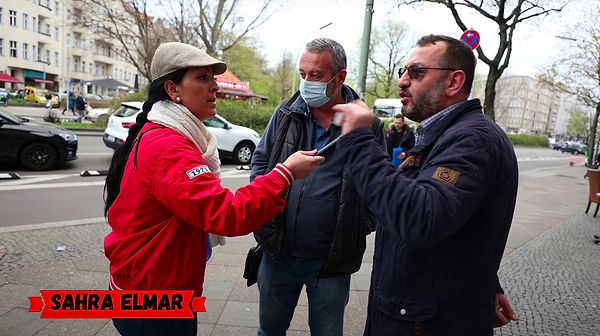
528 140
246 113
136 96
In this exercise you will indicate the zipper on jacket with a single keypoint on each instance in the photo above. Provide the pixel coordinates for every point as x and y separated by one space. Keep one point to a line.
297 215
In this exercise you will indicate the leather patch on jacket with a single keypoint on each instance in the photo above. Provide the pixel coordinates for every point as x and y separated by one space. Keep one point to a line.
446 175
413 160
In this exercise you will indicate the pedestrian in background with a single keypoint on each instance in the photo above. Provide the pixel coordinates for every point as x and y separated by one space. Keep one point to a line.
70 104
319 240
446 213
163 193
80 107
400 139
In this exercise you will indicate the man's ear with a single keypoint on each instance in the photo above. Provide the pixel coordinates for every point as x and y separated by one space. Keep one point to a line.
456 81
171 89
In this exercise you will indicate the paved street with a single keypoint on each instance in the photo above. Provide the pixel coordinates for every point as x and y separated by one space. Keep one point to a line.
550 270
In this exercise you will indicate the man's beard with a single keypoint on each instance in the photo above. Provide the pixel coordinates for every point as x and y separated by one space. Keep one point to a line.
425 106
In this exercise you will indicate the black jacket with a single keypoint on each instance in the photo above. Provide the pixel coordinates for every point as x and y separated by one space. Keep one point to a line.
324 218
394 139
439 243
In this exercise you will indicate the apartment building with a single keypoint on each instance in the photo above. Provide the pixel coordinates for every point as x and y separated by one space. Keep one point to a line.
523 105
42 44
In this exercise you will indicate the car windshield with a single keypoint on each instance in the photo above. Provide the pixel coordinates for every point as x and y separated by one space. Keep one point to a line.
4 114
125 111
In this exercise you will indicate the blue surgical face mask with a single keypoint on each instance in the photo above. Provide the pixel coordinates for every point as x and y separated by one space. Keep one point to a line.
315 93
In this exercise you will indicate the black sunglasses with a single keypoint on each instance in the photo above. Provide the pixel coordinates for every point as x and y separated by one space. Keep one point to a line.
415 71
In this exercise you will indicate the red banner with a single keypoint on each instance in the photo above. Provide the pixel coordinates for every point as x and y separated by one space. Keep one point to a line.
75 304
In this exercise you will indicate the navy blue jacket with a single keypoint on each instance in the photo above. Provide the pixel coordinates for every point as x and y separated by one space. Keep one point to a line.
313 213
443 222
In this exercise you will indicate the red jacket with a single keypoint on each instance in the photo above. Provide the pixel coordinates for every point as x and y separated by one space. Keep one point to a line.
168 202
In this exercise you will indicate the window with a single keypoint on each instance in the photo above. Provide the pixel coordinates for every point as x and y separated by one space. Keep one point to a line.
13 49
83 66
56 58
47 30
25 51
55 33
76 64
12 18
69 15
34 51
47 56
68 38
1 46
34 25
77 40
0 15
56 8
25 21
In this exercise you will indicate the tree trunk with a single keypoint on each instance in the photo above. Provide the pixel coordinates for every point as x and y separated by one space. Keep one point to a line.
592 138
490 93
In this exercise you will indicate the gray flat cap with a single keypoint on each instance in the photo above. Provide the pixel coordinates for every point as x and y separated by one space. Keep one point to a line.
172 56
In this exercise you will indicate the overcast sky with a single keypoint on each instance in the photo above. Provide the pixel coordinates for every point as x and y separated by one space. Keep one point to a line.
297 21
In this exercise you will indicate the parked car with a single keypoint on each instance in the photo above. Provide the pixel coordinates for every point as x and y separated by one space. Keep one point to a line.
91 96
36 146
574 148
233 141
559 145
3 96
38 95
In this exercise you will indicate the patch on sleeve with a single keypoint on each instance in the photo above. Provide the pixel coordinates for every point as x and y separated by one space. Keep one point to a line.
446 175
195 172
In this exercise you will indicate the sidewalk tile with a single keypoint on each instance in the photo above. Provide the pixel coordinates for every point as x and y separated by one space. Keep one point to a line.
108 330
242 314
243 293
12 295
72 327
93 264
20 322
205 329
214 308
217 290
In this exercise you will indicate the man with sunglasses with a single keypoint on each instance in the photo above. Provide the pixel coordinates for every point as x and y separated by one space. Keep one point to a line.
319 239
445 214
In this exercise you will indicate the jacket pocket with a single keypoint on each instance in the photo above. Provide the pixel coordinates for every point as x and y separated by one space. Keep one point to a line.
405 309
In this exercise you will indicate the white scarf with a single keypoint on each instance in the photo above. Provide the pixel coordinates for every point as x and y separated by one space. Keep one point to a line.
181 119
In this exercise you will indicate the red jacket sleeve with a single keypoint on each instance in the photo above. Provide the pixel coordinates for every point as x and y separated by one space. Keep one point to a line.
184 184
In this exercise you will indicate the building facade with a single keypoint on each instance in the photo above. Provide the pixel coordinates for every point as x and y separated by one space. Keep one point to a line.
523 105
42 44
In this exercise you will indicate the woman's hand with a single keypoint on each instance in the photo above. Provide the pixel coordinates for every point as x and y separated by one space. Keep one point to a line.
302 163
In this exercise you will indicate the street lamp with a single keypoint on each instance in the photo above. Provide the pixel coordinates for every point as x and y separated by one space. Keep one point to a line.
300 51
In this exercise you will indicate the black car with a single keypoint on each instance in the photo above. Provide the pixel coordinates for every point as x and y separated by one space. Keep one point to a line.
36 146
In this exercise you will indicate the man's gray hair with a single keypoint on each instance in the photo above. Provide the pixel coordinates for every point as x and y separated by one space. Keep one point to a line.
334 48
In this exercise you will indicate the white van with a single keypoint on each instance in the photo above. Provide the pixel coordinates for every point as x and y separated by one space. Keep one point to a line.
387 108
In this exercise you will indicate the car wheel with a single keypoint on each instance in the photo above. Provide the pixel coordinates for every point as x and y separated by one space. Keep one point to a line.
242 153
38 156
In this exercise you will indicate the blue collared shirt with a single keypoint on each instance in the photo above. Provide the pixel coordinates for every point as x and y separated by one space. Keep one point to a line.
420 132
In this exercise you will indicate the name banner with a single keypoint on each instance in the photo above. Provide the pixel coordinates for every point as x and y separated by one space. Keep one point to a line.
86 304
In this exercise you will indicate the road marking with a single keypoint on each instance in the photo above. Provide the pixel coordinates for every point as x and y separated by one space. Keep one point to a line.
95 154
51 185
49 225
29 179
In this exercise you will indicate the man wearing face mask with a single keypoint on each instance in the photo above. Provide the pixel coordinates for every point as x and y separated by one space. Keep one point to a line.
319 239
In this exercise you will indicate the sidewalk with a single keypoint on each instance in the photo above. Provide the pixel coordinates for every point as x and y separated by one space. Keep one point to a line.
551 271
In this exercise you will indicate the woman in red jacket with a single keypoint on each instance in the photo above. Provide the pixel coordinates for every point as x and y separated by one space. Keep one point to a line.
163 194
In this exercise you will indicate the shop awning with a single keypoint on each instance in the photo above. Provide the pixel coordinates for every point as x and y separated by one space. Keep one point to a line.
8 78
39 80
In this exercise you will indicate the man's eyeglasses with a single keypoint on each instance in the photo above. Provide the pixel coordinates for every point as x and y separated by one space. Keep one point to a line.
415 71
